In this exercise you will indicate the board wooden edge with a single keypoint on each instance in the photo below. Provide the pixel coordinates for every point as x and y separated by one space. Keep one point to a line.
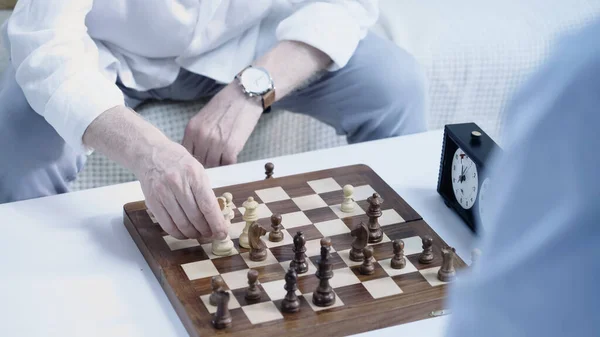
372 317
157 270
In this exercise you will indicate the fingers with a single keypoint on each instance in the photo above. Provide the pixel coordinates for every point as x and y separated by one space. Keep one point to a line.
207 202
228 158
164 220
213 157
188 202
179 217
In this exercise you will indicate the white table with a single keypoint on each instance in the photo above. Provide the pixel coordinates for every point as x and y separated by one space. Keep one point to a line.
69 267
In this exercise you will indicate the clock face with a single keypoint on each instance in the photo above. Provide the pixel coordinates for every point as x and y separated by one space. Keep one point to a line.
255 80
465 179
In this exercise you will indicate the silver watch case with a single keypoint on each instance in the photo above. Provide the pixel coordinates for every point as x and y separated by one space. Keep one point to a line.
253 93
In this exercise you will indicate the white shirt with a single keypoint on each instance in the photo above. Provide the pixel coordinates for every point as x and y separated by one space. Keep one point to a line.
69 53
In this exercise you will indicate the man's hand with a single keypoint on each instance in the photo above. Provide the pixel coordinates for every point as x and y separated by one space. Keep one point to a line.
217 134
178 193
175 185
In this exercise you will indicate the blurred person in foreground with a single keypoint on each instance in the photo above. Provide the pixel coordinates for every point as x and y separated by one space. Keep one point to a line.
539 270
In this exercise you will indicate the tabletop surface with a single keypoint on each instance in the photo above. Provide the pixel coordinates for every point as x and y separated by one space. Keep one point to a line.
70 268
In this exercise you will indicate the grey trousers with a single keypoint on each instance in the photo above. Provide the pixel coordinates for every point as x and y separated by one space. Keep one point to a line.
381 93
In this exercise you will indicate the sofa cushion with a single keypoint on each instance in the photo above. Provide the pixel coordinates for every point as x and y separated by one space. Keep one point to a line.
477 53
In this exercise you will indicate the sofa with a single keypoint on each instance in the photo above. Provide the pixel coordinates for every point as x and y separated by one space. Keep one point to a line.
475 54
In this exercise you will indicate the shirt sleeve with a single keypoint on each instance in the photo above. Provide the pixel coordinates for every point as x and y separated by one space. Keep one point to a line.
57 66
334 27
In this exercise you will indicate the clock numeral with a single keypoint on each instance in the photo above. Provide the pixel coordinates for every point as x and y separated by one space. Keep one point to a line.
474 174
454 167
473 188
471 199
467 204
453 180
461 200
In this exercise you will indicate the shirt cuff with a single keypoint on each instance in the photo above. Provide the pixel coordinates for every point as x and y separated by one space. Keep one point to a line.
77 102
326 27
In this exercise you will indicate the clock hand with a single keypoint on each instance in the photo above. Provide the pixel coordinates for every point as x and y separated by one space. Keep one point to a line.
465 173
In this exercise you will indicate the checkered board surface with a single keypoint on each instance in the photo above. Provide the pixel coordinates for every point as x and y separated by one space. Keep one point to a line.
309 203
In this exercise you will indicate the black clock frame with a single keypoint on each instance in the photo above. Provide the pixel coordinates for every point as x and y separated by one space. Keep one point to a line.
479 148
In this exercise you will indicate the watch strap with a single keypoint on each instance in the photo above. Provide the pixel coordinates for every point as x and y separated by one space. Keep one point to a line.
267 100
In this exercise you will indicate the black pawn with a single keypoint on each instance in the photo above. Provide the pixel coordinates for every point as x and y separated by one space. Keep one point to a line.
253 292
324 295
269 167
290 302
276 235
222 318
426 256
217 285
398 261
367 268
299 261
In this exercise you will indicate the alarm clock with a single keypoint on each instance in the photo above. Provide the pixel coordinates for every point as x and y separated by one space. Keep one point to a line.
463 175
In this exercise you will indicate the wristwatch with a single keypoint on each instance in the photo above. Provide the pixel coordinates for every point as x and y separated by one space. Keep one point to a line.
256 82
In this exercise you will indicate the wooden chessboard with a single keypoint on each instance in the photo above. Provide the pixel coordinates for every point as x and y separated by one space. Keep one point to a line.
309 203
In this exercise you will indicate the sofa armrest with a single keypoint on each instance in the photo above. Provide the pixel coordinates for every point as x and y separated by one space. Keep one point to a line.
7 4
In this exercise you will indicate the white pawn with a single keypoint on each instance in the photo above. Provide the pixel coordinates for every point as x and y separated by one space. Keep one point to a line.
250 215
229 198
224 247
348 203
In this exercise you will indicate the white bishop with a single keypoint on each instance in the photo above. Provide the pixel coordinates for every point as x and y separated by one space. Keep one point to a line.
250 215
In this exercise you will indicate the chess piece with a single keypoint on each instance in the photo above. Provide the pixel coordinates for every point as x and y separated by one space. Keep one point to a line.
229 198
269 167
222 318
290 302
224 247
276 235
258 249
475 255
217 284
367 268
253 292
374 212
426 256
348 203
361 237
398 261
299 262
447 273
324 296
250 215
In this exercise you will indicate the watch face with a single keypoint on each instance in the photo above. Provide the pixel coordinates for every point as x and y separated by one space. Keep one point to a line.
464 179
255 80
